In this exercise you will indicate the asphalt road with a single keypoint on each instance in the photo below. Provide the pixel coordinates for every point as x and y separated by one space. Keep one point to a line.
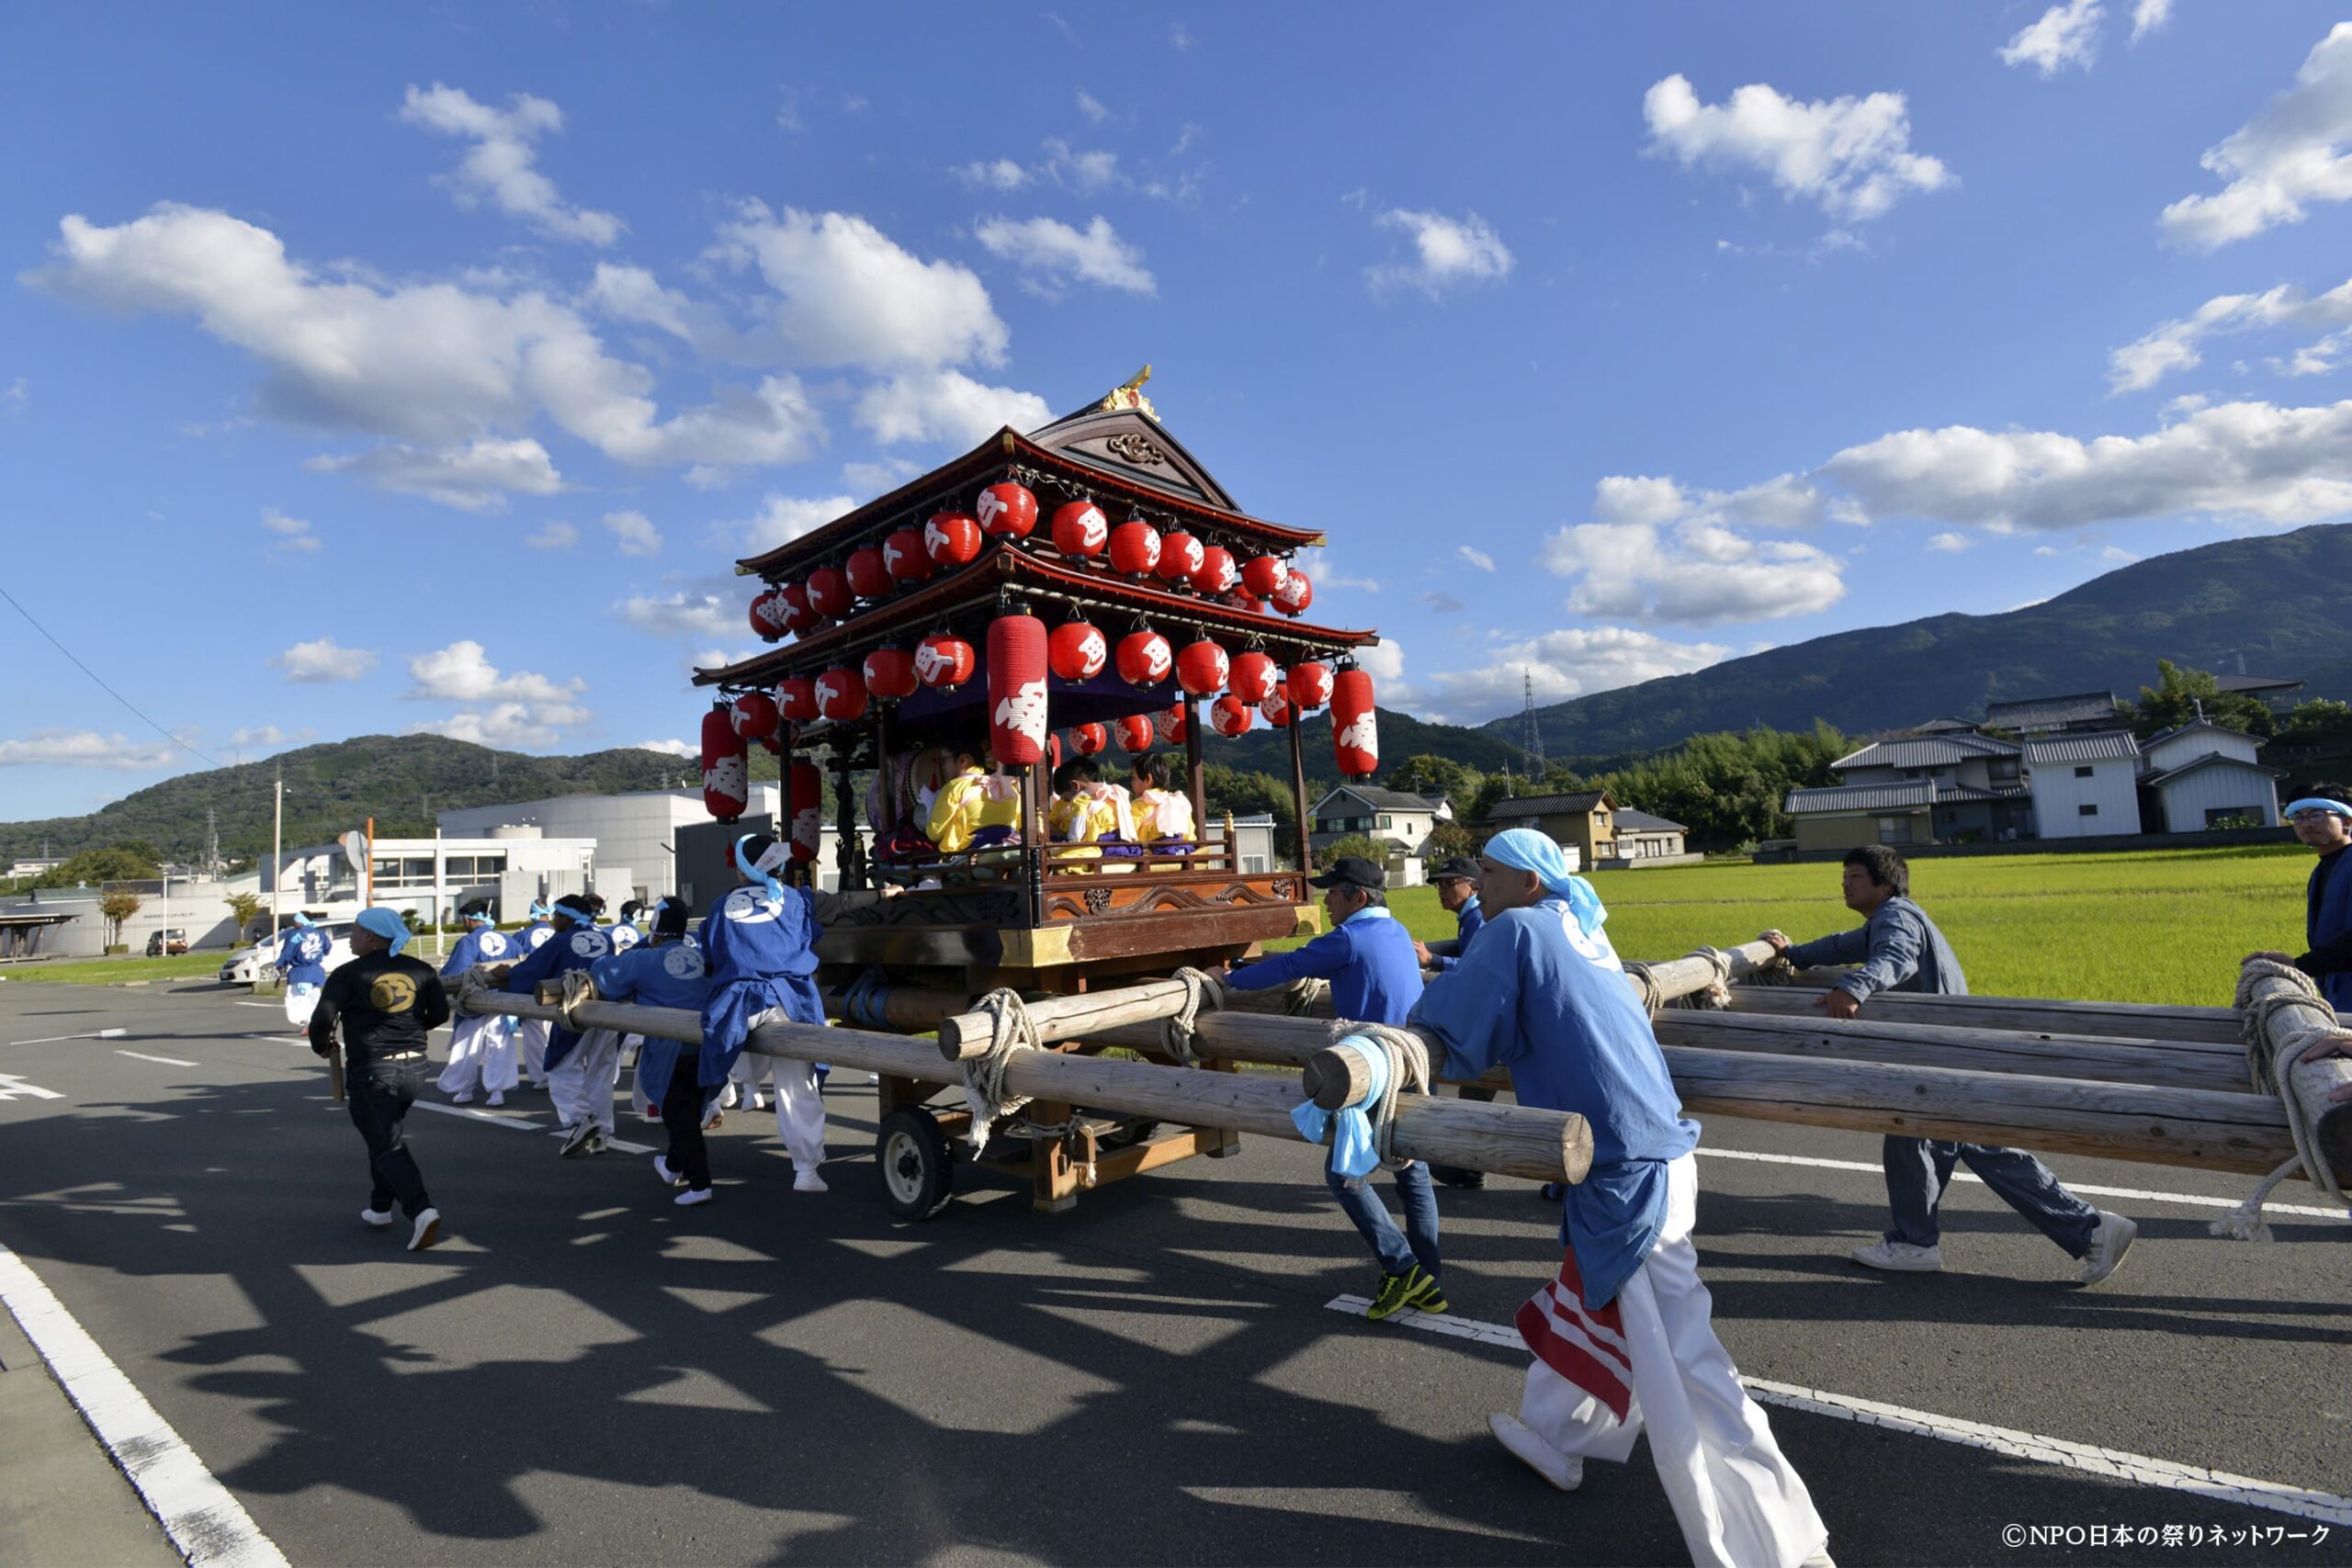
584 1373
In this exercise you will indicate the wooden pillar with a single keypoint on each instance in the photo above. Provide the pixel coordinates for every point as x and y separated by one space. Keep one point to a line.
845 815
1298 792
1195 772
1032 844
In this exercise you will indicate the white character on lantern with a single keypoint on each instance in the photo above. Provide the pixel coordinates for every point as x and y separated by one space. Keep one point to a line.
892 555
1156 658
1362 735
934 539
729 777
1092 652
807 827
1093 530
828 691
931 663
990 504
1024 711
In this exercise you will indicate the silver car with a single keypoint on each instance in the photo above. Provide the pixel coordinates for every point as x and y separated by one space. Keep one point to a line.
253 964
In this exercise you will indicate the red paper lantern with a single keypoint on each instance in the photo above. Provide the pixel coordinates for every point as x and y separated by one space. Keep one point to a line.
1230 716
1134 732
951 538
1171 724
767 614
1216 573
1253 677
795 698
1262 575
726 777
1355 733
1144 659
755 717
1310 685
840 694
797 613
1296 594
1077 651
1017 689
1089 739
1179 556
1009 509
944 663
869 574
1277 707
1080 529
890 673
828 593
804 808
1201 668
904 557
1242 599
1134 548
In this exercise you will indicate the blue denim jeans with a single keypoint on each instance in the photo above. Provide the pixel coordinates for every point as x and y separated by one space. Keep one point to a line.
1398 1251
380 1094
1919 1170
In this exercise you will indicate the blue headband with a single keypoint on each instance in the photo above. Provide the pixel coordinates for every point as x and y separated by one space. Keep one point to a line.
386 923
303 921
2319 803
1525 849
767 878
540 911
480 916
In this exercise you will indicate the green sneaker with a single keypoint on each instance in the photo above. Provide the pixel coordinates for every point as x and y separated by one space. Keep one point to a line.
1432 1299
1397 1292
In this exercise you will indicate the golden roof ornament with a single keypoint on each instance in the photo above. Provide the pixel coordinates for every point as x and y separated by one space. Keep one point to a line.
1128 394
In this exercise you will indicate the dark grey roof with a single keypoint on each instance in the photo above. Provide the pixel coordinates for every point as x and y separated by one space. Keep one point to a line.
2103 746
1643 822
1932 752
2029 713
1911 794
1548 804
1940 727
2255 683
1385 799
2211 759
2163 735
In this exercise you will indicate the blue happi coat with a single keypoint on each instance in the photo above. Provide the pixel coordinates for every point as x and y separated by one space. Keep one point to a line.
2327 919
623 936
761 948
655 975
1537 995
559 955
1368 957
482 945
531 937
302 953
1444 955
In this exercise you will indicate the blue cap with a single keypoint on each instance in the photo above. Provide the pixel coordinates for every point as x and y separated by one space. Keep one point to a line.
386 923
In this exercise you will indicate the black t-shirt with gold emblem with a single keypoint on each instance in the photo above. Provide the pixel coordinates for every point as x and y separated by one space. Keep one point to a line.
387 1006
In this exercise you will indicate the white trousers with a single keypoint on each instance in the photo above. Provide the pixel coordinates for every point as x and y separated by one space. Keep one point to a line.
301 1001
481 1055
799 1108
531 1048
1739 1503
581 1086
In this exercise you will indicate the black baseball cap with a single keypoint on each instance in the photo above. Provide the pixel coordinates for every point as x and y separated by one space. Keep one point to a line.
1351 871
1459 866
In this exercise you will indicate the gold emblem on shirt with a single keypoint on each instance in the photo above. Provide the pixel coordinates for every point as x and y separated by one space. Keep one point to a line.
391 993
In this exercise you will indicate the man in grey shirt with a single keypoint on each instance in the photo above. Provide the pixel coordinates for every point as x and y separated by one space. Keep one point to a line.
1898 948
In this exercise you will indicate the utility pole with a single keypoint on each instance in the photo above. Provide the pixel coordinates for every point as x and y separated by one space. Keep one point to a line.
1532 736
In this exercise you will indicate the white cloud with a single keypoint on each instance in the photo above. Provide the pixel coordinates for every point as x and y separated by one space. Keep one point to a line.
1692 570
88 748
500 709
993 174
2282 466
635 531
499 166
2286 157
1083 172
1383 661
476 477
2173 344
1450 251
2149 17
554 536
1948 542
671 748
2116 554
321 662
509 726
1443 604
848 295
17 398
945 405
780 520
1478 559
2066 34
1053 255
269 738
696 611
292 532
1851 156
886 475
1560 665
1093 110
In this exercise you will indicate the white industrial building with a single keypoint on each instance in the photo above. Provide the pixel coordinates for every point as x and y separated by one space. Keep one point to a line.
636 831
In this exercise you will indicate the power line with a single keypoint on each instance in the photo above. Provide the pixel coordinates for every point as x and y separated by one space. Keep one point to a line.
110 691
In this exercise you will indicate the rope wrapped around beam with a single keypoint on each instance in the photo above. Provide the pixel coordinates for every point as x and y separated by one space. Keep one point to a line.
2272 1071
1408 1059
1202 993
1011 1030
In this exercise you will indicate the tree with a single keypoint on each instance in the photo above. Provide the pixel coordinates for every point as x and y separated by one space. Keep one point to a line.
116 862
1224 789
2318 718
1424 773
245 908
117 905
1376 850
2178 697
1448 839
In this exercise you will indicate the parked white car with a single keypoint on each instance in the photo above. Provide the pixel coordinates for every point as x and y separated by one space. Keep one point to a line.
249 965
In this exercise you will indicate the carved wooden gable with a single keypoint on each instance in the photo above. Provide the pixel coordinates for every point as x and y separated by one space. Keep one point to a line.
1131 445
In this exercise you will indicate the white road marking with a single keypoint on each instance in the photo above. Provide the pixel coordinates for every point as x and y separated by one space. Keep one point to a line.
274 1007
208 1525
2216 1485
167 1061
517 1122
10 1087
94 1034
2133 1194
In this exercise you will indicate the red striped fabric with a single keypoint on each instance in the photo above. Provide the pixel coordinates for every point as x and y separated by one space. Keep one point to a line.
1584 1346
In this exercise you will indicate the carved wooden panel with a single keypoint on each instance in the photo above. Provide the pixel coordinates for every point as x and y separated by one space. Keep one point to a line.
1115 898
997 907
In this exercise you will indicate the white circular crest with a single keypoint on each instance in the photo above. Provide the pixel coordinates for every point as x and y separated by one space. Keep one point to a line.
681 962
589 945
491 944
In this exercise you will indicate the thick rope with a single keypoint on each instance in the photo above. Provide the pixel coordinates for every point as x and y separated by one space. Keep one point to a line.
1202 994
2270 1072
1011 1030
1408 1066
1715 995
1305 997
1639 973
577 988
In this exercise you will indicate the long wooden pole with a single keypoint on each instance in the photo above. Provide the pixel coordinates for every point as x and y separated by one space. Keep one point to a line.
2124 1020
1507 1140
2292 1020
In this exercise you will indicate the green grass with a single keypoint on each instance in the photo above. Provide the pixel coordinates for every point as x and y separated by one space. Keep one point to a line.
2159 926
110 971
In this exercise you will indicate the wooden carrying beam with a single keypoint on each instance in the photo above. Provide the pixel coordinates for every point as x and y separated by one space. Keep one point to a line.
2295 1020
2129 1021
1507 1140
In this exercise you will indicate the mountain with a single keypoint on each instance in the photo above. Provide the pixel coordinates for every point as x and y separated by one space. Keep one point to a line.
331 789
1266 750
2273 605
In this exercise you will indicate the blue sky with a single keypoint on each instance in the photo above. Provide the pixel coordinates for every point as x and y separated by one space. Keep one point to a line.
375 370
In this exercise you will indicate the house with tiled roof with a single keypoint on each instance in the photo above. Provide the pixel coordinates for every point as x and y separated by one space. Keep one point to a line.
1394 815
1582 822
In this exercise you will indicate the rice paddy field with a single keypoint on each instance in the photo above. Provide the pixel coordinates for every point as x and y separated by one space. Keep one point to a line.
2158 925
